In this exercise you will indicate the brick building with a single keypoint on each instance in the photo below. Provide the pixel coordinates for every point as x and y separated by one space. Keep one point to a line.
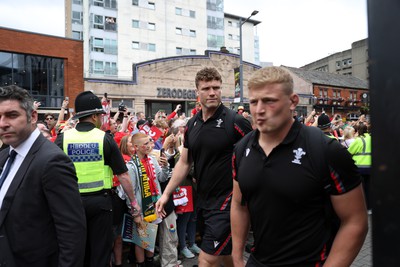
333 93
49 67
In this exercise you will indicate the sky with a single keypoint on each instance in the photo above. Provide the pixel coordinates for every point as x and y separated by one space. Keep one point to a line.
292 32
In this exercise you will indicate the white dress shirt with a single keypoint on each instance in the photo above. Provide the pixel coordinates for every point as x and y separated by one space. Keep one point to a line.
22 151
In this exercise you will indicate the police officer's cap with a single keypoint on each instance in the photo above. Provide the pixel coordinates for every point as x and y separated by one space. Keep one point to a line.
87 103
324 121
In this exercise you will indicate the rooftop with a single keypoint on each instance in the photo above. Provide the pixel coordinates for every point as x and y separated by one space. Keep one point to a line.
332 79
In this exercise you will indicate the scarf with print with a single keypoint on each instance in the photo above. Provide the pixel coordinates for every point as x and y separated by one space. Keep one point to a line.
149 191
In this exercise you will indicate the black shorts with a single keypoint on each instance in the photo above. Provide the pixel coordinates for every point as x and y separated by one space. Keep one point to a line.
215 230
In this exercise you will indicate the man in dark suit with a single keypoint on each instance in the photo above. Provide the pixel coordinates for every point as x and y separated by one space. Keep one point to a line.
42 221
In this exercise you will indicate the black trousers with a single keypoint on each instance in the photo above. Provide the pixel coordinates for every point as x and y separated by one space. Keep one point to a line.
99 219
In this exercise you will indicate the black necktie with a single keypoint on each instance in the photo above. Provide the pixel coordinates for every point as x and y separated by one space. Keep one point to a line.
8 167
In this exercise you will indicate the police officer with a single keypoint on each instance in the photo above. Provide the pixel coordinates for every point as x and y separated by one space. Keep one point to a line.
96 157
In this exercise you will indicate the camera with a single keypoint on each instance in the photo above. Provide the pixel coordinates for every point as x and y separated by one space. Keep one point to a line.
121 106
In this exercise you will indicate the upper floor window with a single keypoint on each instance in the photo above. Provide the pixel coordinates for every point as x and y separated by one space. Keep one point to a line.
179 50
151 26
135 2
151 5
135 45
192 33
151 47
111 24
178 11
110 4
135 23
77 17
98 22
192 13
178 30
98 3
193 51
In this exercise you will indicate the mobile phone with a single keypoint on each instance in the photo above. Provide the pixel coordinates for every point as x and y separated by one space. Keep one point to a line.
67 98
161 152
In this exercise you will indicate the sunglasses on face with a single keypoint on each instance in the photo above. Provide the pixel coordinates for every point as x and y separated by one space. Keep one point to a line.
49 118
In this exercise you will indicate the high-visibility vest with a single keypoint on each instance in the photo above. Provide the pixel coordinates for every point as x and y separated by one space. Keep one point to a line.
86 152
360 149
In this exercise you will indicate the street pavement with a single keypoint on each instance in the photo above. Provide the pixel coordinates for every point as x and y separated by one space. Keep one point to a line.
364 258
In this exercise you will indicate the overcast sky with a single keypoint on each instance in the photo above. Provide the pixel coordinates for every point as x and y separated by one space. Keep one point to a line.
292 32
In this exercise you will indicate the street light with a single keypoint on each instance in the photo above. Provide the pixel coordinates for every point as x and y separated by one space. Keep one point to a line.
241 54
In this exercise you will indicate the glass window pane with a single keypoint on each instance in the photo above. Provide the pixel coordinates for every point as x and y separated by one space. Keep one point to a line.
135 24
152 47
5 68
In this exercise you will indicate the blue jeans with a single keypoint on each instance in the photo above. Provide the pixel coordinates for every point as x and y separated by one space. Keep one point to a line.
186 224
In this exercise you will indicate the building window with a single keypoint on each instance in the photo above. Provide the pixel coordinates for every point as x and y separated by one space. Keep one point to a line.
135 2
151 26
110 68
349 61
77 17
77 35
42 77
179 50
178 31
151 5
98 22
98 3
98 67
230 36
111 24
193 51
215 5
192 13
77 2
135 23
98 44
229 23
110 47
192 33
110 4
215 23
135 45
216 41
178 11
151 47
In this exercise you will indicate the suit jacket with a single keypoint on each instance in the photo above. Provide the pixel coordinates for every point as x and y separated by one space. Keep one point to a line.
42 220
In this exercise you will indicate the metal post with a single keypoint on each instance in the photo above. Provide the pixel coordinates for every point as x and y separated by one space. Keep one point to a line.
241 54
241 63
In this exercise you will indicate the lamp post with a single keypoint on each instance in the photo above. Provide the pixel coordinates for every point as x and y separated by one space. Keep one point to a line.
241 54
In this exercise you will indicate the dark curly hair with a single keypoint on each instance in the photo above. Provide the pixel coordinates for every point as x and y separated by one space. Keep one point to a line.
207 74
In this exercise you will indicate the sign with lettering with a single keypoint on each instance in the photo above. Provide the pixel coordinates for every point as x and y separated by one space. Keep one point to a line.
152 131
176 93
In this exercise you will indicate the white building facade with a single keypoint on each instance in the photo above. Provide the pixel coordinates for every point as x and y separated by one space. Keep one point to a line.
119 34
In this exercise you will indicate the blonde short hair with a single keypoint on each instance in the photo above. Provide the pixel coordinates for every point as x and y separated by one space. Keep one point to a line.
136 137
271 75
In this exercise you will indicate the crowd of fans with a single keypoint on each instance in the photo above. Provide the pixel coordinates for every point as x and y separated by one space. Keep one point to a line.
136 144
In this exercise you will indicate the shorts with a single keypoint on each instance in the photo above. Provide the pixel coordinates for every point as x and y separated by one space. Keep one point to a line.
215 230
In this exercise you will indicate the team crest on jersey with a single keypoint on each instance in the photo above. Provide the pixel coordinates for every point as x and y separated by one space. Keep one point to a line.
298 154
219 122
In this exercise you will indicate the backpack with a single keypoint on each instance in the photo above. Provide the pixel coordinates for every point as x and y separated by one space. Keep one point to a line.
229 123
316 145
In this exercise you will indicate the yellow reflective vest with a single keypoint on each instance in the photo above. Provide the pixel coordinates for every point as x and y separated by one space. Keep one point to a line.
360 149
86 152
